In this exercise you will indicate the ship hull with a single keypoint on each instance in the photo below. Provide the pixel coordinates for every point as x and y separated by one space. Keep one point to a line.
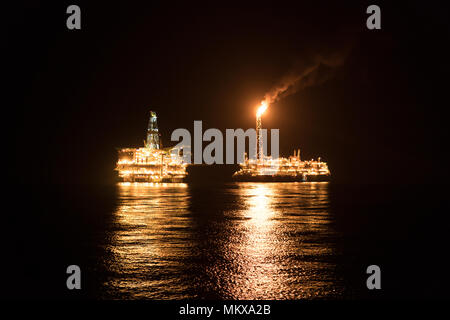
281 178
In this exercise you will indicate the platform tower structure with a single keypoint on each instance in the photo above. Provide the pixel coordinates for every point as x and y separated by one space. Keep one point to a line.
152 141
259 139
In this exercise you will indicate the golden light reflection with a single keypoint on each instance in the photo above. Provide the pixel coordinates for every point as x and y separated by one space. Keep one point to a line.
251 241
151 233
283 226
258 201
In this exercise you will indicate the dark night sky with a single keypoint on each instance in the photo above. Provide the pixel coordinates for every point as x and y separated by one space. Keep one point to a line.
79 94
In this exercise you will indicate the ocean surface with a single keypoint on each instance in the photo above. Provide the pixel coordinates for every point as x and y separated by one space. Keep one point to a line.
278 241
243 241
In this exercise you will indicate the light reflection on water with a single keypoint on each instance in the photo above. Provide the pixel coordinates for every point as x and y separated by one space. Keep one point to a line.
238 241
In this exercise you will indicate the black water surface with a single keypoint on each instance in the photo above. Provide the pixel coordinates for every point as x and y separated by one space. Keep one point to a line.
227 241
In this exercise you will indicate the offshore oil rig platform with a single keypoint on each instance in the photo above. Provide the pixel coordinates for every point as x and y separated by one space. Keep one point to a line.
154 164
264 168
151 163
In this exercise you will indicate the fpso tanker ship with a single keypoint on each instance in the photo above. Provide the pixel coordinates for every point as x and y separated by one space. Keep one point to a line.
264 168
151 163
282 169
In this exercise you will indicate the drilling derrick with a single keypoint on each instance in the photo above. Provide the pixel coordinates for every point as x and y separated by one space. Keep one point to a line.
152 141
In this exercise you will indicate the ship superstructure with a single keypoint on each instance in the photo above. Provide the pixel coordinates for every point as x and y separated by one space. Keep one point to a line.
151 163
282 169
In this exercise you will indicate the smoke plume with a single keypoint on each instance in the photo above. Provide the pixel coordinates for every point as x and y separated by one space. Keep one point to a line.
307 72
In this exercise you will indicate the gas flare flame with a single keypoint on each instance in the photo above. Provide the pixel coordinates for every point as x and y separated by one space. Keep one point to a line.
261 109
